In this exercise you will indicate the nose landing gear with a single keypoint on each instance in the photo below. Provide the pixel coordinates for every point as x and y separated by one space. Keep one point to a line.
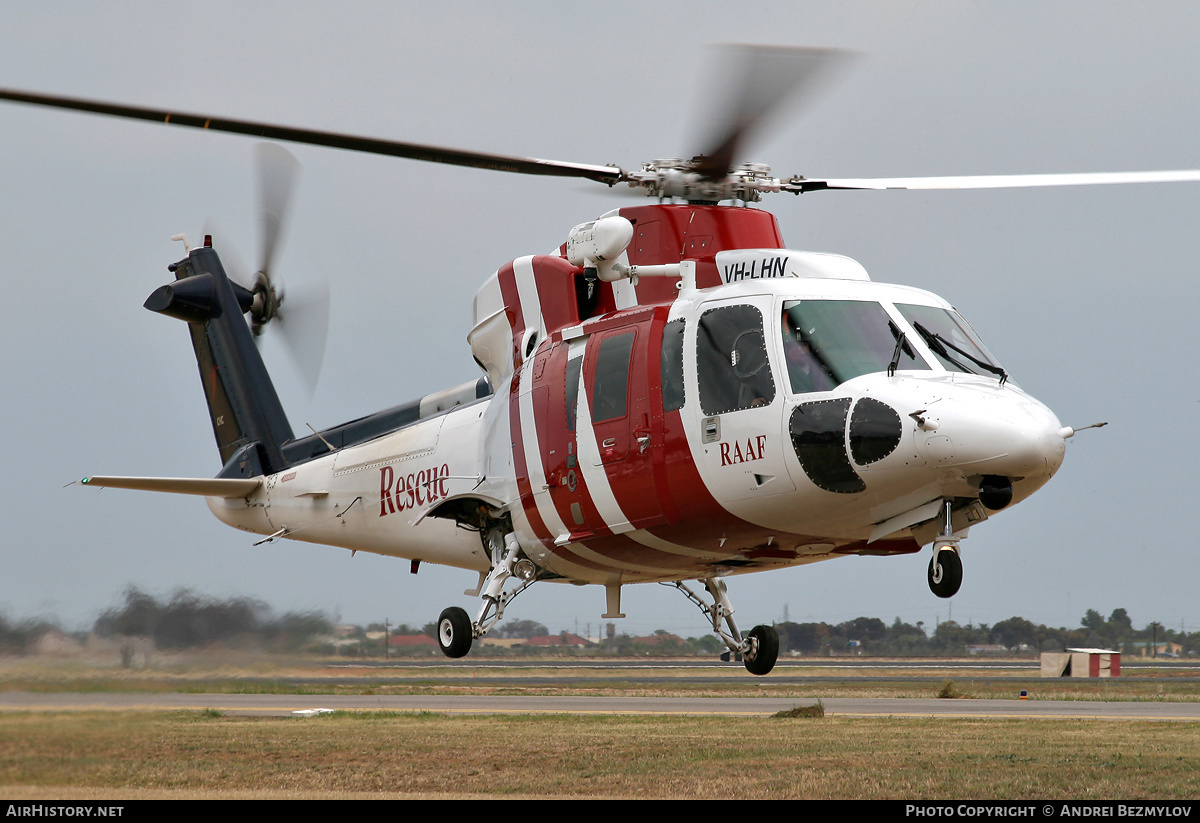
945 571
945 568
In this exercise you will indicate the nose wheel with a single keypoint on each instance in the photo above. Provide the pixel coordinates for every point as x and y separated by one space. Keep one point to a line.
945 569
945 572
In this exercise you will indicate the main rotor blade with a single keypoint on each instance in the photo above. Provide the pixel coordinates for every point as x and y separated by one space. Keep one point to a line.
993 181
413 151
751 83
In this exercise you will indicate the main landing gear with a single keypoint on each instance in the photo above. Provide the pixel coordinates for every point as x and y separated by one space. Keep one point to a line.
945 567
455 629
758 650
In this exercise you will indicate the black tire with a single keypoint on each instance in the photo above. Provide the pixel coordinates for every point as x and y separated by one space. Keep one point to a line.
945 573
454 633
765 651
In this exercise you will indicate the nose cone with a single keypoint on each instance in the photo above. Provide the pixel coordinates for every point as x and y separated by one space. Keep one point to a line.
997 431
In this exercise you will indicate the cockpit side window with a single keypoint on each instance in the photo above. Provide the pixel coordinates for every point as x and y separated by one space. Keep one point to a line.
731 360
827 342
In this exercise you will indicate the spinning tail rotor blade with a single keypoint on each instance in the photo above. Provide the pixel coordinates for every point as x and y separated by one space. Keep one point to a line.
300 313
277 172
304 326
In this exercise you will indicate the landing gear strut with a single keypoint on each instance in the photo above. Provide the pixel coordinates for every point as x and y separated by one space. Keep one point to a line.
758 650
945 568
455 630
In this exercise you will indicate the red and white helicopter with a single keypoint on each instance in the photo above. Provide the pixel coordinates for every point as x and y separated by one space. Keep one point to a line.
672 395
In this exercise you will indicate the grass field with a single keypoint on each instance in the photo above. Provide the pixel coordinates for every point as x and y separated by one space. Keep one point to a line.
919 678
93 755
126 755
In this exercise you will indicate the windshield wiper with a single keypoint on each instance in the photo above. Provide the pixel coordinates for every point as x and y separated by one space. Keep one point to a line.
901 346
939 344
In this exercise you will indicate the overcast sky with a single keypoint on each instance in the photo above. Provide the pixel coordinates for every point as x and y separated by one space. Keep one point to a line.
1087 296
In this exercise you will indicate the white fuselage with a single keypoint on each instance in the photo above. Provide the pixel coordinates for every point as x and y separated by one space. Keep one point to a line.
783 484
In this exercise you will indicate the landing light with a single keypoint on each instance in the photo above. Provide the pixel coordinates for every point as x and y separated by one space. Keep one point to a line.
525 569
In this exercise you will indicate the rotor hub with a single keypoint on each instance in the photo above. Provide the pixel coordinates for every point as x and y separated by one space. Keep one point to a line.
687 180
267 301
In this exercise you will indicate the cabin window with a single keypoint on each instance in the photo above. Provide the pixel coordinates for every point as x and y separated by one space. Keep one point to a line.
731 360
612 377
827 342
574 367
671 362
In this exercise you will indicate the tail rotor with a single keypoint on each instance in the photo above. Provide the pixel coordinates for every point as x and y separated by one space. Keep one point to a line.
304 324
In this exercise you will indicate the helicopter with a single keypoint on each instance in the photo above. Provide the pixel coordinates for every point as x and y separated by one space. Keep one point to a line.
671 396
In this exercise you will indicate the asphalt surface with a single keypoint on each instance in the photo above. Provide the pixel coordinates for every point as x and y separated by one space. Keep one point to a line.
290 705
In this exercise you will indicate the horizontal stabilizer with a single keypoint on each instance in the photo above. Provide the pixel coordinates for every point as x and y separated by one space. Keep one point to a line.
205 486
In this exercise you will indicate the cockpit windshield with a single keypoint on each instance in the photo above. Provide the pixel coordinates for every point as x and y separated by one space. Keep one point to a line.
952 340
827 342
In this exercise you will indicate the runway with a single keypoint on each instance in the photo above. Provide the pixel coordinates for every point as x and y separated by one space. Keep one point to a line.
276 705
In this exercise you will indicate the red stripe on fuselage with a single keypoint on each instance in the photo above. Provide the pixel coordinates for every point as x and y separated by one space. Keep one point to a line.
558 445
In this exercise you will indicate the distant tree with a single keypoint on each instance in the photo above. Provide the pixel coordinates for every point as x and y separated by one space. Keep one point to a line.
952 638
138 618
521 629
18 637
906 639
1014 632
295 629
189 620
707 644
864 629
1119 629
1115 632
665 643
806 638
900 629
1093 621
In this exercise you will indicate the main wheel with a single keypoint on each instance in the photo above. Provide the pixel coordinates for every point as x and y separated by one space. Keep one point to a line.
945 573
764 652
454 633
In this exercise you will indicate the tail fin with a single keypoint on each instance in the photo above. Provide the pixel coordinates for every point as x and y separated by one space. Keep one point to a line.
247 417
